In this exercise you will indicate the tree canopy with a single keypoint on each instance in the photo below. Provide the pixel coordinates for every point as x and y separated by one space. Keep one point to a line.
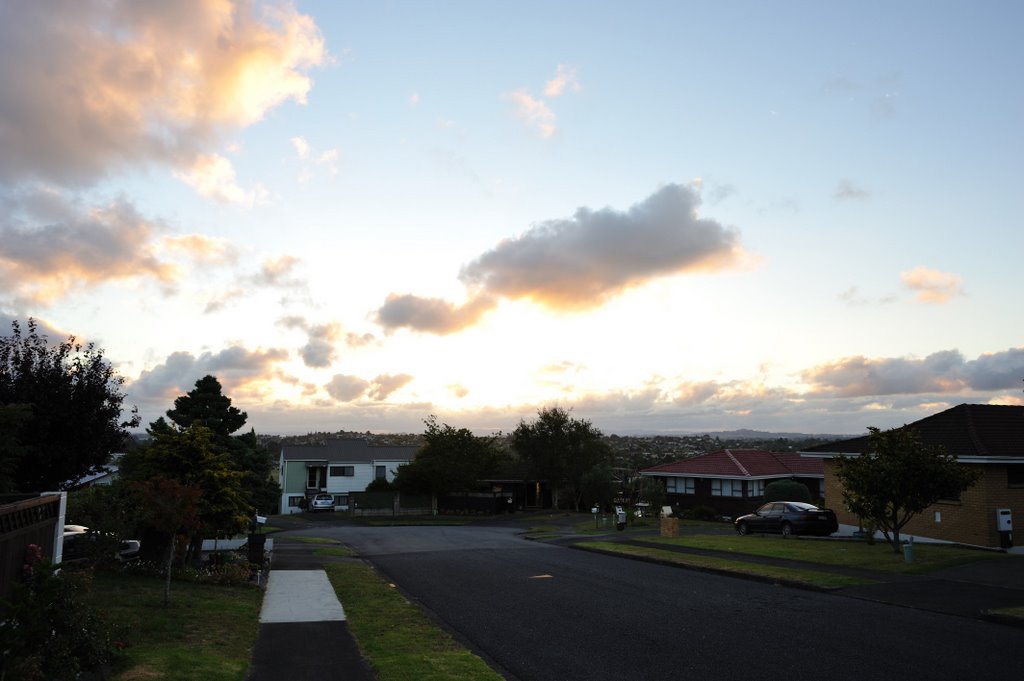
561 449
898 477
451 460
61 411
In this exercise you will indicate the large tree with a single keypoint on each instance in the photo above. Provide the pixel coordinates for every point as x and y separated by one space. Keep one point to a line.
451 460
561 449
75 402
898 477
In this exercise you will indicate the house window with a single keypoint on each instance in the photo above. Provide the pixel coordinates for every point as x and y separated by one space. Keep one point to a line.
679 485
315 477
293 502
343 471
380 472
341 500
755 488
721 487
1015 475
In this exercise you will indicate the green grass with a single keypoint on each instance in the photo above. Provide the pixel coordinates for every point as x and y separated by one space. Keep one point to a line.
1015 613
342 551
206 634
822 580
398 640
310 540
856 554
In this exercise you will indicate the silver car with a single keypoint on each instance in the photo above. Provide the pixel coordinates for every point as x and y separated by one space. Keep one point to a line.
322 502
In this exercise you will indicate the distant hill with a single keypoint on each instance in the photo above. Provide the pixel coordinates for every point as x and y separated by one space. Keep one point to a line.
747 434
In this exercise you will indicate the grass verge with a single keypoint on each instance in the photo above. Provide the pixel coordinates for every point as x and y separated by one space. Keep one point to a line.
855 554
310 540
341 551
205 634
821 580
398 640
1016 613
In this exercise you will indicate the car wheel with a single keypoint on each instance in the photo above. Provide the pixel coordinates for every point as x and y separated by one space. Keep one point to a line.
742 528
787 530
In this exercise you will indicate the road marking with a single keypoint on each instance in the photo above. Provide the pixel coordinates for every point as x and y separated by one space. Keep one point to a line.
542 577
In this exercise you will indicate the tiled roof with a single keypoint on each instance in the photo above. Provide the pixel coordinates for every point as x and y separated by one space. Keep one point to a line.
742 463
351 450
965 430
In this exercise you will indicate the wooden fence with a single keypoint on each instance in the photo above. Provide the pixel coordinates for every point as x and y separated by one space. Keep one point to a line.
23 521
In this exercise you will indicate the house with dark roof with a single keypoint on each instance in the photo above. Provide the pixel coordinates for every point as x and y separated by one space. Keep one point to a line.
732 481
337 467
986 437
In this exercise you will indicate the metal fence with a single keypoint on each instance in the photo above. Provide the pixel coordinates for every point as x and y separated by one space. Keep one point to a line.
388 504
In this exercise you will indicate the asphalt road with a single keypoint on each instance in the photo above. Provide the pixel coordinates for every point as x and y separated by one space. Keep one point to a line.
539 612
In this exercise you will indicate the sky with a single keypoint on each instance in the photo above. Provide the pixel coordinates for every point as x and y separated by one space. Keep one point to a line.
667 217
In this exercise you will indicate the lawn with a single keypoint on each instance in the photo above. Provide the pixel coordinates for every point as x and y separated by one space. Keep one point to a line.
206 634
856 554
821 580
397 638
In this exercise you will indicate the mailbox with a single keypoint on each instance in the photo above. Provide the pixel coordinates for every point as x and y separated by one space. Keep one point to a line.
1004 525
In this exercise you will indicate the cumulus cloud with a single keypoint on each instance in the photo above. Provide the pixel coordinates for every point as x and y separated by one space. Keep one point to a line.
200 248
534 112
344 388
213 176
320 349
580 262
233 367
932 286
327 159
385 384
431 315
130 82
50 246
583 260
565 77
942 372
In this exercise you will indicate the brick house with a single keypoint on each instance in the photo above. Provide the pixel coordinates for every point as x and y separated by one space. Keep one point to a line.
988 438
732 481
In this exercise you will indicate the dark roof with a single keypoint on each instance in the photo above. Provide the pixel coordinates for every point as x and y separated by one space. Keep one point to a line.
988 430
742 463
351 450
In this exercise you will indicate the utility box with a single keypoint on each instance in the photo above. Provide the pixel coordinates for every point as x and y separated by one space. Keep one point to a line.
1004 525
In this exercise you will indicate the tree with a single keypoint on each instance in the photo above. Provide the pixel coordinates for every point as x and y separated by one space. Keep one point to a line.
652 490
75 399
172 509
561 449
451 460
898 477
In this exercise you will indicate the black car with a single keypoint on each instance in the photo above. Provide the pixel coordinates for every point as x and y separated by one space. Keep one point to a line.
789 517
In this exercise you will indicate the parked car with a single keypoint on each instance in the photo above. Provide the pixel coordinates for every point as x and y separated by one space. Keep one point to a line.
787 518
78 541
322 502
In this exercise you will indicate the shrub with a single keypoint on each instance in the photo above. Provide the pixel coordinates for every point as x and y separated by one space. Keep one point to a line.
787 490
705 513
48 631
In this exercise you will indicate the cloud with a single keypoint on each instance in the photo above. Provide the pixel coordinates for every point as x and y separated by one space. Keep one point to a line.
276 271
583 260
385 384
534 112
565 77
50 246
944 372
431 315
932 286
200 248
344 388
847 191
129 83
213 176
301 147
234 367
327 159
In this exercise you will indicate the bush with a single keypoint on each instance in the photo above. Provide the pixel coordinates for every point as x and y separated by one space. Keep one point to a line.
48 631
787 490
705 513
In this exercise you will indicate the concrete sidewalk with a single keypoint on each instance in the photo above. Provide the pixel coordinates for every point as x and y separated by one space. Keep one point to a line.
303 632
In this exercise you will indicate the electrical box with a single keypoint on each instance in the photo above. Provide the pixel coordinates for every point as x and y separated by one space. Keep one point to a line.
1004 520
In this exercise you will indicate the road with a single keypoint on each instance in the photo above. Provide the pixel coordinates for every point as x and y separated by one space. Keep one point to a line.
538 612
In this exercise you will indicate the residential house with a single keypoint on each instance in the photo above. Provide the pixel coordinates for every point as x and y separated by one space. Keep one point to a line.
732 481
988 438
337 467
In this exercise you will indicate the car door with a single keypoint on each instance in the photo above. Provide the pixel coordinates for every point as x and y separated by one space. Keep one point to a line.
771 520
761 519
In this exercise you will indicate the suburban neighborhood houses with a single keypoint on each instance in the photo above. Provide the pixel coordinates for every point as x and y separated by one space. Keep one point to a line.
336 467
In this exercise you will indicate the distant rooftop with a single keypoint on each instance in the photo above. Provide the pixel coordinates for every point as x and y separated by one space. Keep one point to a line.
349 450
742 463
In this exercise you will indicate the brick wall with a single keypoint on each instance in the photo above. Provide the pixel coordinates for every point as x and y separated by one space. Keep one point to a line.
972 520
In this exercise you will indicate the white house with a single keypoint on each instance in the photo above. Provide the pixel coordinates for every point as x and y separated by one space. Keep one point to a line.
336 467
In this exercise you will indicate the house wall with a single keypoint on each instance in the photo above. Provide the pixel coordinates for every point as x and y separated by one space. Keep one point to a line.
731 506
972 520
293 484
